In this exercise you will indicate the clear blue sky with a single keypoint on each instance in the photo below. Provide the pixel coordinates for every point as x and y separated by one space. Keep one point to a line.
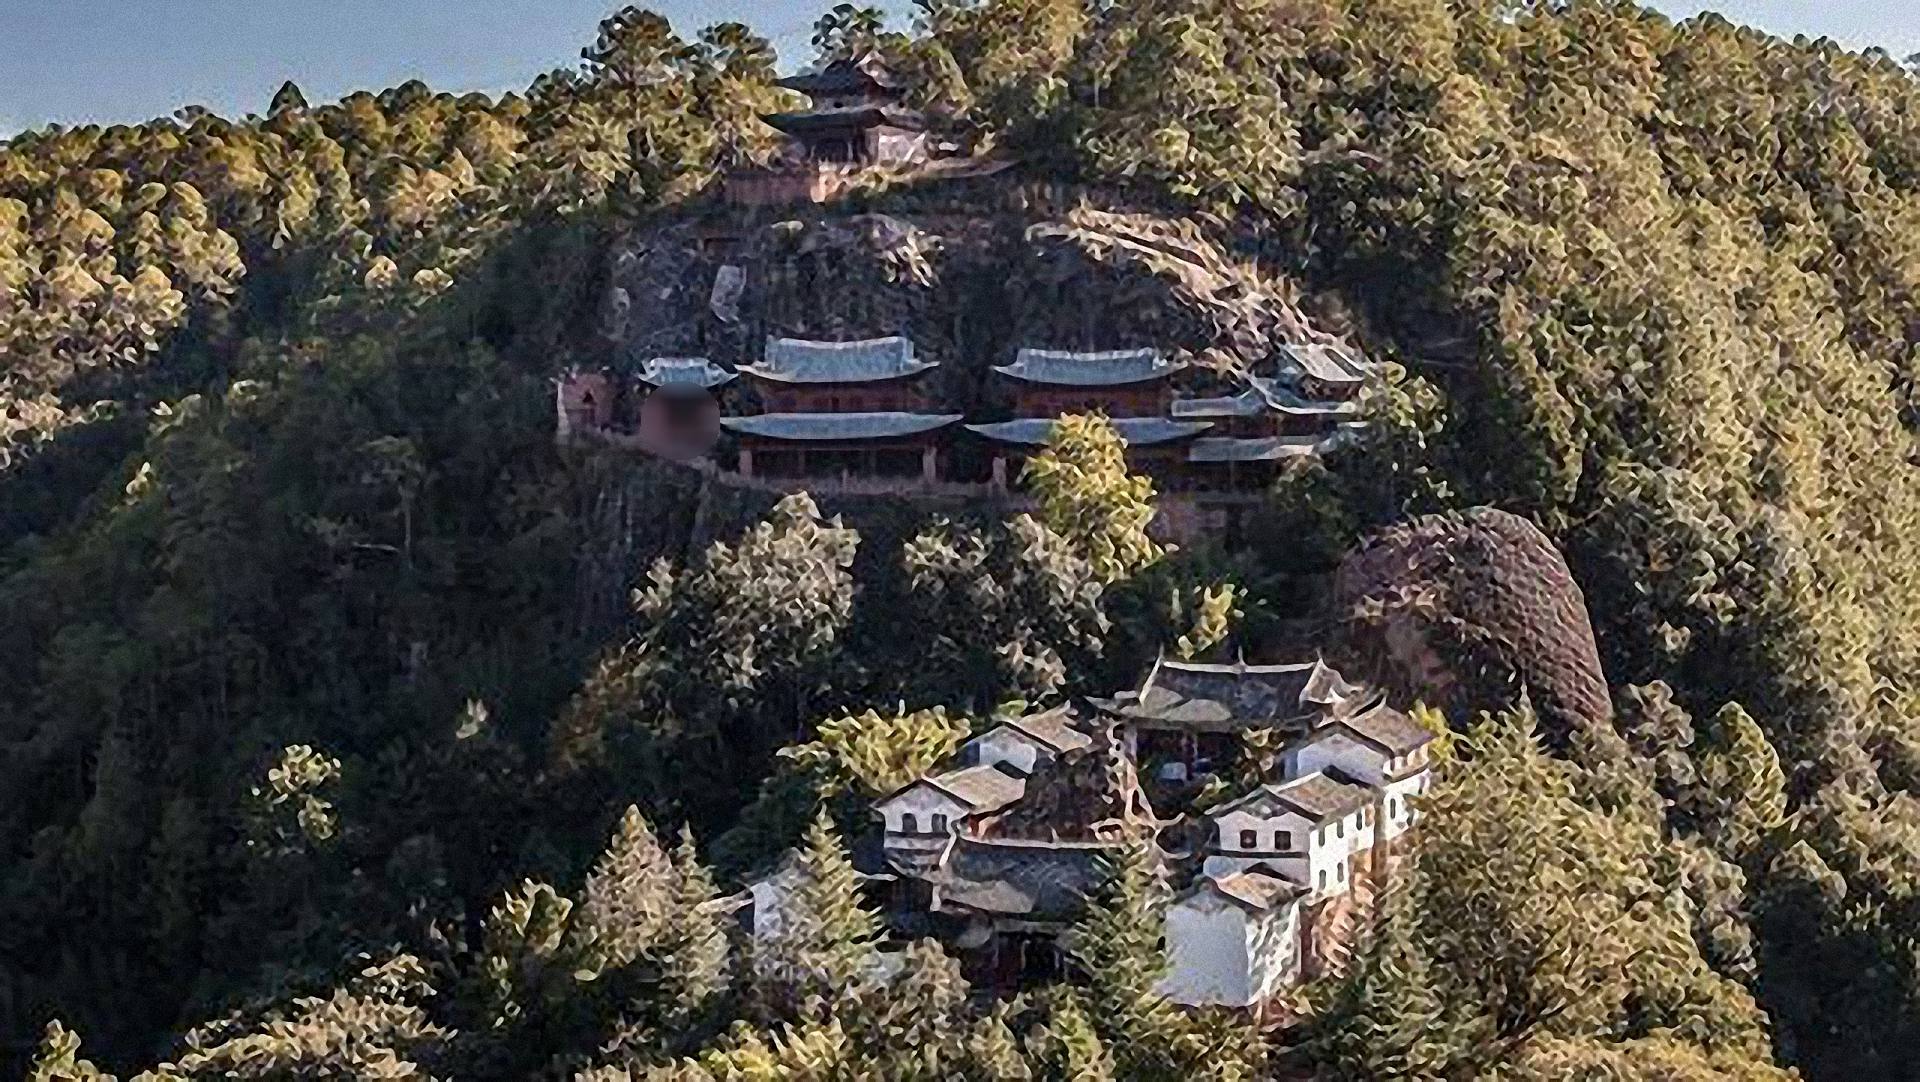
105 61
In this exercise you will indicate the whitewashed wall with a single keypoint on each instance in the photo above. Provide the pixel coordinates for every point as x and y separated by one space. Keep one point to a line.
1004 744
1206 952
923 802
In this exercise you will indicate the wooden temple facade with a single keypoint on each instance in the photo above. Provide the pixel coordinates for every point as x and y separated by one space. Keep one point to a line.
837 410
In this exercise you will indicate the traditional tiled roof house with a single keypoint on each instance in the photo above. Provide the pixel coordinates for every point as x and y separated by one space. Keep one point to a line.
840 409
1188 717
999 853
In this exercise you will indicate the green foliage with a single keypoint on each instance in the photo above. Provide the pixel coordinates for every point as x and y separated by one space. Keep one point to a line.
1085 493
289 810
1468 973
1011 613
276 474
824 954
731 659
59 1059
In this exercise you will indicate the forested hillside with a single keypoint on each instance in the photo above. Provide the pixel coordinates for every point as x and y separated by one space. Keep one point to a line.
314 762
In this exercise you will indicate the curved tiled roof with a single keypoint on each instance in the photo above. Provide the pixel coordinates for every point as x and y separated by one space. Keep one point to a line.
683 372
837 426
1111 368
795 360
1028 879
861 116
1321 796
1230 697
1134 431
866 71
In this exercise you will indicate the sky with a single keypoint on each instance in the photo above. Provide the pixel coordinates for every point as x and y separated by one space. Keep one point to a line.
114 61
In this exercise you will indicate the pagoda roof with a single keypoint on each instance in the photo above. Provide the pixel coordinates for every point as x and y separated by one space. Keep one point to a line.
864 72
853 116
834 427
1324 362
794 360
696 373
1225 698
1134 431
1111 368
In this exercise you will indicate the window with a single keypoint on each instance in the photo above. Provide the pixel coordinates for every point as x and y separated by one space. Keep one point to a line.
1282 840
1340 828
909 823
1340 870
939 824
1393 807
1323 879
1249 839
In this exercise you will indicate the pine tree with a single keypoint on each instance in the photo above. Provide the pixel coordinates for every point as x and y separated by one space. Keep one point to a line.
1118 947
824 956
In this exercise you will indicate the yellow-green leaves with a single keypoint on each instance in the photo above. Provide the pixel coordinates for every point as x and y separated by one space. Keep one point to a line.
1086 494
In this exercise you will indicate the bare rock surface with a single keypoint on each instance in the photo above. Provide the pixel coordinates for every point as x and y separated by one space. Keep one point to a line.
1466 609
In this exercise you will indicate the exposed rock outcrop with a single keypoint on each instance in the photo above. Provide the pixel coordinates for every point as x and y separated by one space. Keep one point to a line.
1464 610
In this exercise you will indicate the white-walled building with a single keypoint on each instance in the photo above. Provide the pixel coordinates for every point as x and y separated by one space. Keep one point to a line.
926 814
1233 940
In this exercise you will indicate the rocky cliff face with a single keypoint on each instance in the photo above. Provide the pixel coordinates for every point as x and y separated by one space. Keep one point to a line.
970 283
1463 611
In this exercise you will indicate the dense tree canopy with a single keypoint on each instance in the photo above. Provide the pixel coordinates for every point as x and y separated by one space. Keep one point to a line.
280 510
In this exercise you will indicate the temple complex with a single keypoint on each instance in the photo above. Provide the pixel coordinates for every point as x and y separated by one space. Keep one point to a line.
998 853
840 410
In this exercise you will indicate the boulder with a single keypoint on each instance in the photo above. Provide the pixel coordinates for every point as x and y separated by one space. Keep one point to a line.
1465 610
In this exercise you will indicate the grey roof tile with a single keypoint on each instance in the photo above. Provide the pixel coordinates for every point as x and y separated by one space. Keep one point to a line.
1109 368
794 360
1256 449
824 427
1046 881
678 372
1053 728
1222 697
1134 431
1328 363
983 788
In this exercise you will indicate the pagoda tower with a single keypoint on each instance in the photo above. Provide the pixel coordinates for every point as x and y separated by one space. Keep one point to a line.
856 117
